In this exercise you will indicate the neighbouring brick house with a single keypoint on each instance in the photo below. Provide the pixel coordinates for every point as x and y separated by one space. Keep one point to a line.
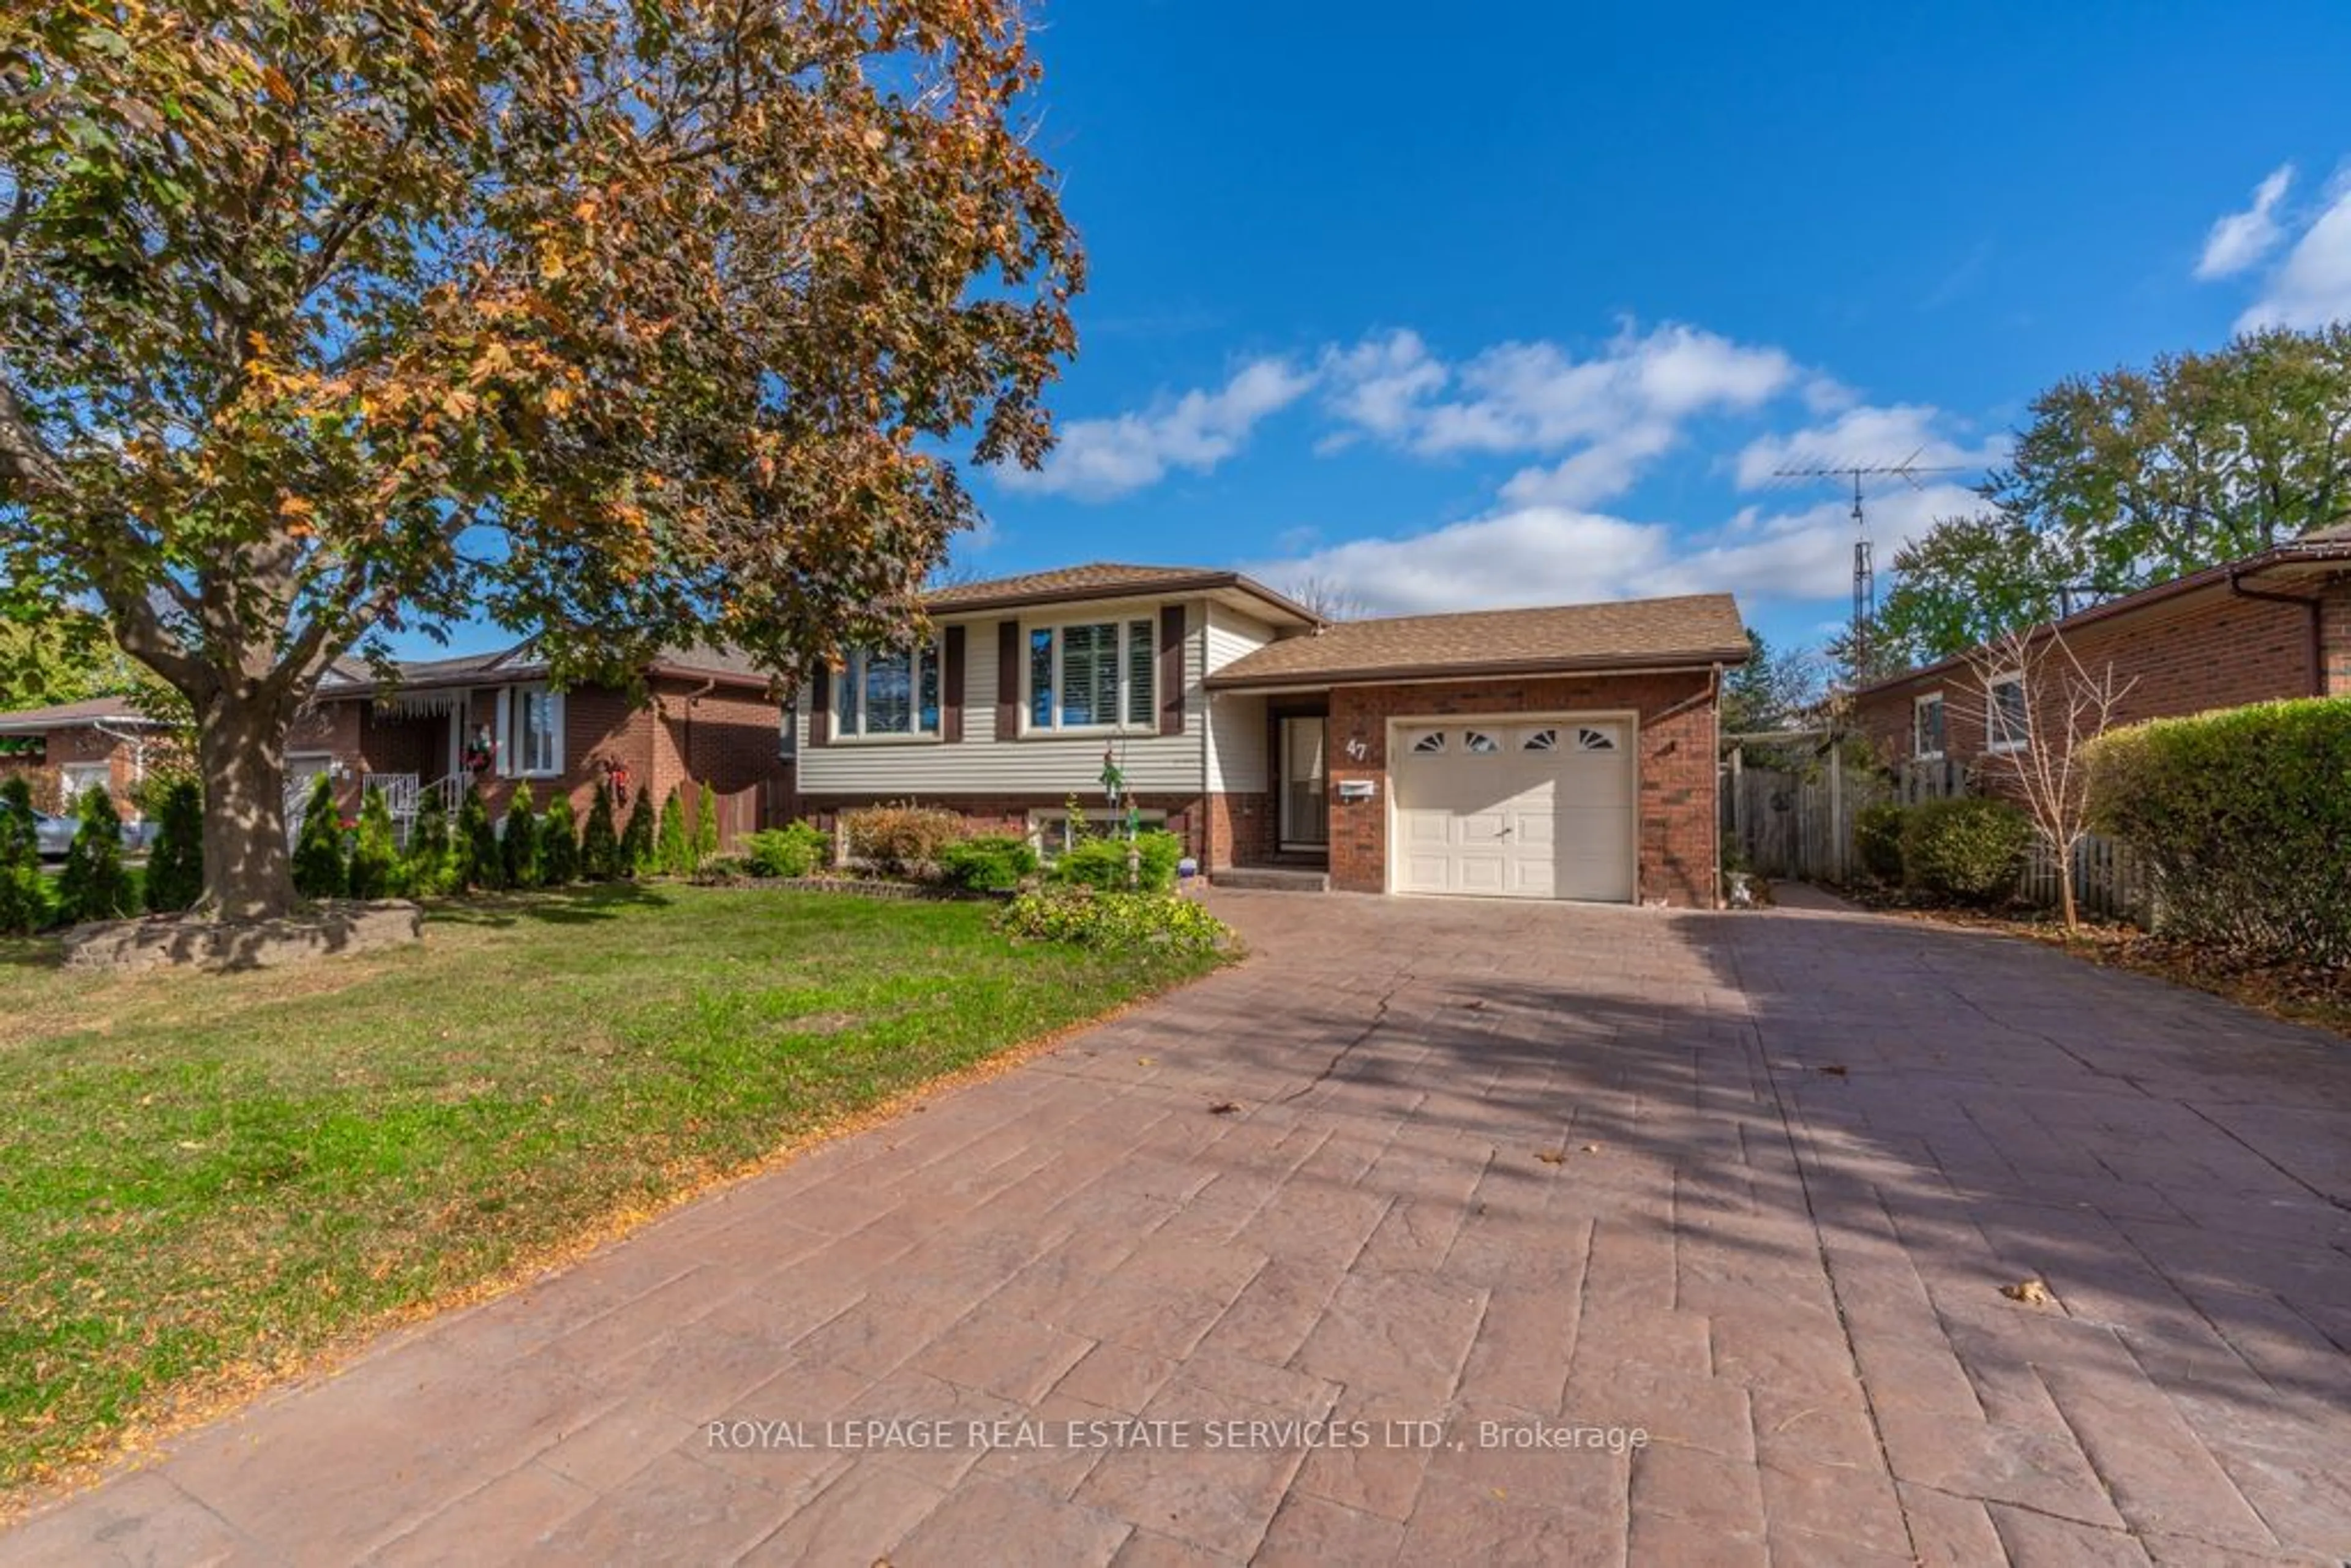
494 720
490 719
2273 625
1553 753
64 749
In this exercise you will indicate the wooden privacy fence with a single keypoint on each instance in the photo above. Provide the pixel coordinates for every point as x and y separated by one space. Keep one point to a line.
2109 882
1795 824
1798 824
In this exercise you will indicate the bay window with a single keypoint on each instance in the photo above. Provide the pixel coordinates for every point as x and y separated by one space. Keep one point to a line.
888 692
1092 675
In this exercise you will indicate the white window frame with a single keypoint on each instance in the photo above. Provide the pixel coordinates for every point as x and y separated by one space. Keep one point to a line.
1125 621
1995 739
1104 821
1917 705
101 773
935 650
507 739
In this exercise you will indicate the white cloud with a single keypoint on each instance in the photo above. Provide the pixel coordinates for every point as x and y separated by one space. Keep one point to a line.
1522 555
1610 414
2242 239
1806 554
1101 459
1376 385
1867 434
1600 471
1530 555
2312 287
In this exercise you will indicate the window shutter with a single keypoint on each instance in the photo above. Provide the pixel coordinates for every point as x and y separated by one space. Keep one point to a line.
820 706
951 697
555 725
1171 669
1008 663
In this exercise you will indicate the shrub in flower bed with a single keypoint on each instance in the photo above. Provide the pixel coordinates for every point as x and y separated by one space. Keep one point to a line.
902 838
992 863
1967 848
1877 838
795 850
1101 863
1087 918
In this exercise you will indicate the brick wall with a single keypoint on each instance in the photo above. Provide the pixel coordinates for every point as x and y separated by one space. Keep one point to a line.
1676 851
2214 650
729 735
2334 638
1242 829
77 745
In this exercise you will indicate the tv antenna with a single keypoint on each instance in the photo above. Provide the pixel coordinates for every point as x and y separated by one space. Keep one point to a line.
1864 569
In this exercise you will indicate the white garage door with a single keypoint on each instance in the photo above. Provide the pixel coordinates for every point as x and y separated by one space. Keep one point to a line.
1517 809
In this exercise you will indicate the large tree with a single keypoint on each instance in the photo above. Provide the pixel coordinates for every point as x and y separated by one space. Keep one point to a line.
2133 477
626 322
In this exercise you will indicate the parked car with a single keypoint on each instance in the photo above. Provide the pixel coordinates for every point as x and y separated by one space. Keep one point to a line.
54 835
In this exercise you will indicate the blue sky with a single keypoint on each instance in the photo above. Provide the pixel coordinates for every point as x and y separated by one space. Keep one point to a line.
1485 305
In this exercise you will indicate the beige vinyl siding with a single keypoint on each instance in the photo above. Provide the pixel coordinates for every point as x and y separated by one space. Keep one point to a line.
1236 760
981 764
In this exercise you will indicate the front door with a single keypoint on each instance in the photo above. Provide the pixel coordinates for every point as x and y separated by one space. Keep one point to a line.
1305 802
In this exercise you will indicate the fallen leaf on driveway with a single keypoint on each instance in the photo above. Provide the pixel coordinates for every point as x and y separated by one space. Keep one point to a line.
1552 1156
1144 1061
1223 1108
1592 1148
1834 1071
2031 1292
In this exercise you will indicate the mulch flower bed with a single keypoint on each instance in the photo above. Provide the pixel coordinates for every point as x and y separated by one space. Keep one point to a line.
2313 994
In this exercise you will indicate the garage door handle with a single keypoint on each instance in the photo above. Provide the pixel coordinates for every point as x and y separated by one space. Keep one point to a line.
1503 832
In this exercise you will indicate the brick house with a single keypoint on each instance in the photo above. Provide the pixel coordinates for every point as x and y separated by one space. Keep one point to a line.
62 751
1551 753
494 720
490 719
2269 626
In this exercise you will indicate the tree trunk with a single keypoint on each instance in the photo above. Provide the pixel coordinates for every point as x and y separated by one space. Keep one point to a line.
241 747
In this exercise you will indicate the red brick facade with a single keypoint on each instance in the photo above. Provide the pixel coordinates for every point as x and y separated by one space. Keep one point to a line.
2211 649
685 732
78 745
1677 852
1242 829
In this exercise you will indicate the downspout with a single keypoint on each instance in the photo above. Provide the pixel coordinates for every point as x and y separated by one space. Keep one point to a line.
138 744
2317 626
685 746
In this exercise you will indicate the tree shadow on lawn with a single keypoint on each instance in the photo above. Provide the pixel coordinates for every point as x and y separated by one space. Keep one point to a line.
32 951
584 906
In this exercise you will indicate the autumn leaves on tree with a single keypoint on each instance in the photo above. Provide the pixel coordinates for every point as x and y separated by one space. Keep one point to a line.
628 325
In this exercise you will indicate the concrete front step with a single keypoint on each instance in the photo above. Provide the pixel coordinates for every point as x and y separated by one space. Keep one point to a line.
1271 879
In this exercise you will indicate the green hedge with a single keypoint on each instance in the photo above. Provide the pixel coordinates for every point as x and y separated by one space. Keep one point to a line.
1967 848
797 850
2244 817
1877 839
992 863
1101 863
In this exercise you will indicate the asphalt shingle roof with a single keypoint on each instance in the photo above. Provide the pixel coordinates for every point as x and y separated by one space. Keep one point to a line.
1099 580
66 716
1699 628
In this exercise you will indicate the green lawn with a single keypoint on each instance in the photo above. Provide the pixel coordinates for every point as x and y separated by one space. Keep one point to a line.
206 1177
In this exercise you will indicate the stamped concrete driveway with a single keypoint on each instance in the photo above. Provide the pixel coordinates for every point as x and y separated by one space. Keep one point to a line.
1540 1176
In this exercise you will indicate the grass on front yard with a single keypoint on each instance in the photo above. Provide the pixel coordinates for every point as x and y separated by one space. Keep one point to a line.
207 1180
